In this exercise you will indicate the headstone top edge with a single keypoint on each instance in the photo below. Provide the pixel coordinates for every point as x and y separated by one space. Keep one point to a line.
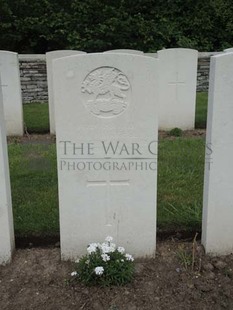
63 51
229 49
190 50
106 55
222 55
8 52
127 51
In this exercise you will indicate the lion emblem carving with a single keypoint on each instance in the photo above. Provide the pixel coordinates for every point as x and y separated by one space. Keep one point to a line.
106 92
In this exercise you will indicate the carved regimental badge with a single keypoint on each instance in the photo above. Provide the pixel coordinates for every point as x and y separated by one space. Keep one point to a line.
107 92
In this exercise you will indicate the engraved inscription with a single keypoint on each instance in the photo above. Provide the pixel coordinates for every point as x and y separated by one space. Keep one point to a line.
107 92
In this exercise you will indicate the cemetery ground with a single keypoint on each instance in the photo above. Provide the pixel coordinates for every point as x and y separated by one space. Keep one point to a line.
180 276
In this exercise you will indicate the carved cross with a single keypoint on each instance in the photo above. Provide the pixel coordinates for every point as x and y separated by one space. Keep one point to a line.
176 83
107 200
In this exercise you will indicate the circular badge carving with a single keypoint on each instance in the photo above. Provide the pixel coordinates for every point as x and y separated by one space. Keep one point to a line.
106 92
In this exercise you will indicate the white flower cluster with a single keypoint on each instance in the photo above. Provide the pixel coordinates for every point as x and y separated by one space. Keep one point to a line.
121 250
105 257
99 270
108 247
105 249
129 257
92 248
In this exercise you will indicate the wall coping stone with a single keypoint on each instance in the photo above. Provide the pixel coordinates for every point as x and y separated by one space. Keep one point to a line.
33 57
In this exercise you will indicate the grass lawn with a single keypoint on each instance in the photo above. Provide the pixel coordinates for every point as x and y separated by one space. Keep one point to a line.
34 188
35 197
36 117
180 183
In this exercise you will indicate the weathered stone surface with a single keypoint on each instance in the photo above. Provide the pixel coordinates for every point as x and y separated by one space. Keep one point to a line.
11 92
217 226
50 57
106 151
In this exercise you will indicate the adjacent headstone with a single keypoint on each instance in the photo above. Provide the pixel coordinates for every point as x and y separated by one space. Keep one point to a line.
217 225
50 56
126 51
106 107
228 50
6 218
11 92
178 80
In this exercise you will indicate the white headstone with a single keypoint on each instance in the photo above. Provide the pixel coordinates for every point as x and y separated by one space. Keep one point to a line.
106 107
217 226
50 56
6 218
228 50
126 51
178 67
11 91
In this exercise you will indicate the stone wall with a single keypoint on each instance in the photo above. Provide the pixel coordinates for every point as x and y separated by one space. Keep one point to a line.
34 77
203 70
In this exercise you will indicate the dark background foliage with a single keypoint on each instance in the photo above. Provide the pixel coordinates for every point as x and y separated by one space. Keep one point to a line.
28 26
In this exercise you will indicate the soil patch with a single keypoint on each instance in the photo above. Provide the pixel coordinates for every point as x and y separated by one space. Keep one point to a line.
48 240
37 279
197 133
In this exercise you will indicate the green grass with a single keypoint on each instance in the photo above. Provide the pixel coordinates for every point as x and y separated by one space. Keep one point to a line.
35 197
36 117
201 110
180 183
34 189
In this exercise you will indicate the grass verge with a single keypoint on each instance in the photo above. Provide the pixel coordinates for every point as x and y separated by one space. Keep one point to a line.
201 110
34 189
180 183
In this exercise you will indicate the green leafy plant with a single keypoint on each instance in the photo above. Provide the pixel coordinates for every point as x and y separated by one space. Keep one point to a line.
176 132
105 265
228 272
